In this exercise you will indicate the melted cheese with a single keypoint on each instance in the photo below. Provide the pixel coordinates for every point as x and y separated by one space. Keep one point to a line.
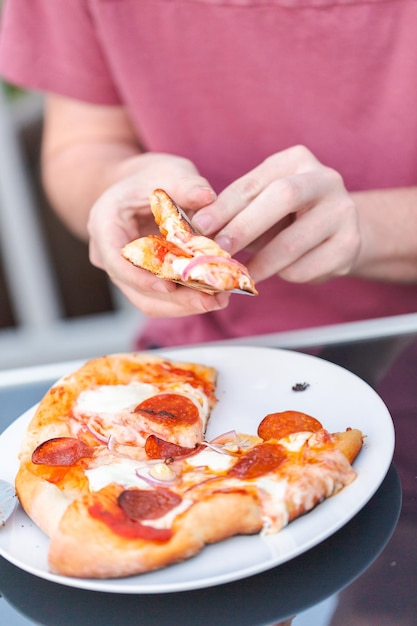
110 400
179 264
303 491
120 471
274 509
295 441
128 472
215 461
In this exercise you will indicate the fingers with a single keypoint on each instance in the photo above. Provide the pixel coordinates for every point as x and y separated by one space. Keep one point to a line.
192 194
245 191
293 214
123 214
320 243
178 176
316 265
156 297
290 196
154 300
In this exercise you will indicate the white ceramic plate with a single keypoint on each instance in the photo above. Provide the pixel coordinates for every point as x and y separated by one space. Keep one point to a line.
252 383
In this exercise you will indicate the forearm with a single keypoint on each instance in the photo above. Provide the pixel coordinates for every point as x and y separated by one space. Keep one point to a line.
388 225
85 149
76 178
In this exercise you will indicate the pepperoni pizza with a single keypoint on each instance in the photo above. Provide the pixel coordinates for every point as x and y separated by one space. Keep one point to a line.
116 470
180 254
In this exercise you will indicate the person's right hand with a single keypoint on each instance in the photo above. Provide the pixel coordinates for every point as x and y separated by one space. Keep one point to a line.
292 214
123 214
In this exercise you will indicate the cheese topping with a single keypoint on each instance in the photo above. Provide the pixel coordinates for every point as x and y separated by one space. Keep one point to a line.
274 492
178 263
295 441
275 511
120 471
110 400
215 461
162 472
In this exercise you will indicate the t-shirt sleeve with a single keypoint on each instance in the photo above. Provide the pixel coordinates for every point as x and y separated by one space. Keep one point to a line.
53 46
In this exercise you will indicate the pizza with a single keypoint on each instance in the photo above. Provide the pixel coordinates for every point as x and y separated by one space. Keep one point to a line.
180 254
115 467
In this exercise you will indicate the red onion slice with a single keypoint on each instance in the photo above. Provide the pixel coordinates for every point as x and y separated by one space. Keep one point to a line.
96 434
206 258
152 481
216 447
230 434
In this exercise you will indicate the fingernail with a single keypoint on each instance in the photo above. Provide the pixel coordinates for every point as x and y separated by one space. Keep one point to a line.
203 222
211 192
203 195
224 242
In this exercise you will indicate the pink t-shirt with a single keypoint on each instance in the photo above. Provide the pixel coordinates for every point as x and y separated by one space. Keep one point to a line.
227 83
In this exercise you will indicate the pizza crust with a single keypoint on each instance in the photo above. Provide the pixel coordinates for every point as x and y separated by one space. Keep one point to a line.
85 547
349 443
43 501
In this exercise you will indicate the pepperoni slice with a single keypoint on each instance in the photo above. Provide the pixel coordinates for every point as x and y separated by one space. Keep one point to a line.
61 451
278 425
157 448
118 522
264 458
140 504
171 409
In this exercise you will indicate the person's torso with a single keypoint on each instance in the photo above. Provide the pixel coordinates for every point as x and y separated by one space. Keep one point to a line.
229 82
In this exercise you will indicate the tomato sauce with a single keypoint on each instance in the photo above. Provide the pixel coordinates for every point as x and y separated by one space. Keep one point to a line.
114 517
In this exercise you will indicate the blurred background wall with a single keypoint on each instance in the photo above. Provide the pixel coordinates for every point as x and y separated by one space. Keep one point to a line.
54 305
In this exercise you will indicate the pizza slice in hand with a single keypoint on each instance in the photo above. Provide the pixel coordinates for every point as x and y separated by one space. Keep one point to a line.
180 254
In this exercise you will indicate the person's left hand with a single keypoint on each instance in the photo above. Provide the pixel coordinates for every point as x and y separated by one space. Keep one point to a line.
122 213
292 213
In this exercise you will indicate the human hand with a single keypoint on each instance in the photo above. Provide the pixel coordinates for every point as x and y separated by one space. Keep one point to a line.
292 213
123 213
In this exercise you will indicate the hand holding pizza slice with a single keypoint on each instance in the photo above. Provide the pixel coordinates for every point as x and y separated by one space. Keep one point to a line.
184 256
